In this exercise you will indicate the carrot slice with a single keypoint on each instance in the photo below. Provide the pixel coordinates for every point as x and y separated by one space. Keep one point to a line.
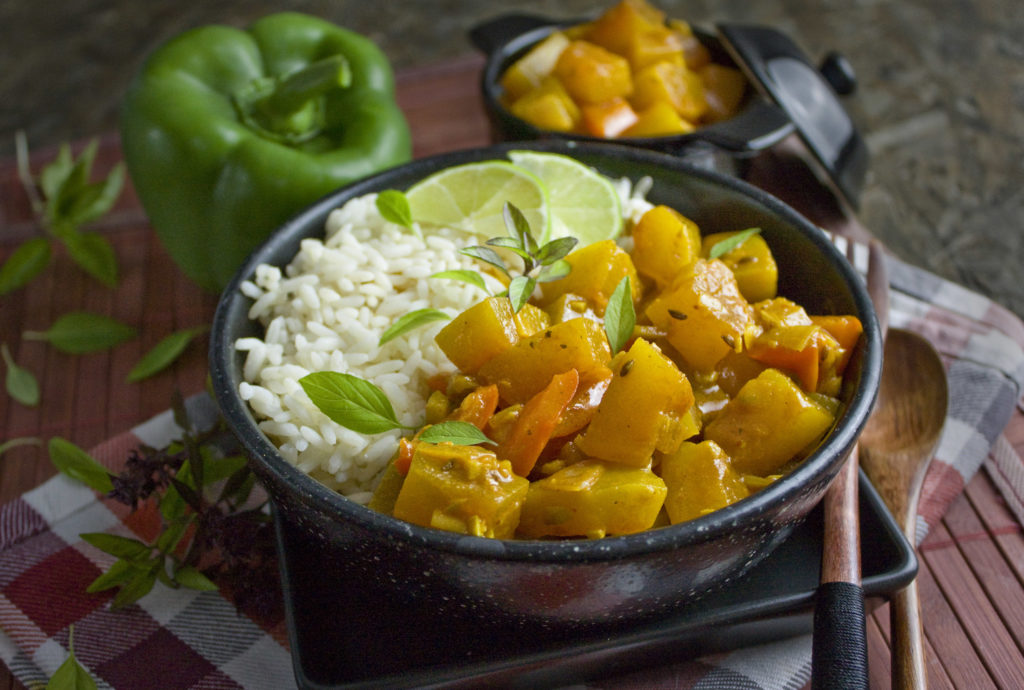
532 430
404 457
478 407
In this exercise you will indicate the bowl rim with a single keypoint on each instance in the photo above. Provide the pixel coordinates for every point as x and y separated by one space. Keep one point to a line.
757 126
233 305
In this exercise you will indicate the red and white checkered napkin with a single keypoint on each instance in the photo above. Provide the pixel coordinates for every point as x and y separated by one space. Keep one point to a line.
186 639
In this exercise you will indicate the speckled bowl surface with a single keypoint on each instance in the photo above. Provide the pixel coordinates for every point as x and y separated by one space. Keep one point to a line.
581 583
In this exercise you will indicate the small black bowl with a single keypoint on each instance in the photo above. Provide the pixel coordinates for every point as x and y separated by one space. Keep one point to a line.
758 125
578 584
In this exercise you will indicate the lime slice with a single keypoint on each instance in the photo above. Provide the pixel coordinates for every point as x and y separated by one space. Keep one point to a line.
472 197
582 202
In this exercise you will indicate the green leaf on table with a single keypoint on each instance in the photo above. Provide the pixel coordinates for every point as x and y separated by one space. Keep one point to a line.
81 332
132 550
190 577
117 574
20 382
412 321
723 247
350 401
459 433
137 586
77 464
71 675
94 200
394 207
54 174
620 315
19 441
26 262
163 353
94 254
464 275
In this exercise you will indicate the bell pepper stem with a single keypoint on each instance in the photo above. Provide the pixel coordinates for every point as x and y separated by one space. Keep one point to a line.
289 108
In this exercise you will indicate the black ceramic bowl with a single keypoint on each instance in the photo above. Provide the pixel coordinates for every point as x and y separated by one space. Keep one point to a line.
758 125
559 584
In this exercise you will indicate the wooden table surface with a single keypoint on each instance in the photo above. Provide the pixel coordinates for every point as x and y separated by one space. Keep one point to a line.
972 565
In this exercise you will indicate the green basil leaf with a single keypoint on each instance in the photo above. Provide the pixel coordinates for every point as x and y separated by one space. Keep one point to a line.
487 255
172 535
555 250
554 271
21 383
620 315
81 332
117 574
412 321
163 354
74 183
394 207
19 441
53 175
512 245
352 402
77 464
26 262
132 550
729 243
71 675
519 228
520 290
459 433
138 586
96 199
191 496
190 577
465 276
93 254
218 468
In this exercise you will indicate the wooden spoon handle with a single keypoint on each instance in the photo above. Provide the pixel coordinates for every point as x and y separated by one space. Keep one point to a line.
908 669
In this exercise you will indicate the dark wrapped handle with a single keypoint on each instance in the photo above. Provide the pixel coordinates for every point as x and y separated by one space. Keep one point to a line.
839 657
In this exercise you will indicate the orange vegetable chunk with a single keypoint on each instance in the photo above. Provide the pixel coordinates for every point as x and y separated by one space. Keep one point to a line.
672 83
597 269
751 262
664 241
463 489
592 74
700 479
592 498
703 313
478 407
527 73
617 27
549 106
522 371
532 428
724 88
768 423
659 119
643 409
479 333
608 119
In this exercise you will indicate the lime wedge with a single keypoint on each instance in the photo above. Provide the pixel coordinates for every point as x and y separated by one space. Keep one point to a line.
471 197
582 202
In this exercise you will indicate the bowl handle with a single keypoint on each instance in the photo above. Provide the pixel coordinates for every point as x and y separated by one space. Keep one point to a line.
492 34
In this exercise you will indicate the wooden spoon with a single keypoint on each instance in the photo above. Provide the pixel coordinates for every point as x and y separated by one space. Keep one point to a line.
896 448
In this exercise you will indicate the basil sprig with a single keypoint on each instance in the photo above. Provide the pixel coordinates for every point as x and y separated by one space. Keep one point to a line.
723 247
359 405
620 315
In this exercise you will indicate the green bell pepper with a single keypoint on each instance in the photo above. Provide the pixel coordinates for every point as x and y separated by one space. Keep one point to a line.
227 132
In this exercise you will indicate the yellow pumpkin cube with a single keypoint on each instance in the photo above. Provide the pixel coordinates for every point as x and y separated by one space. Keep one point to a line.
592 74
523 370
527 73
549 106
463 489
703 314
479 333
768 423
751 262
592 499
596 271
664 242
672 83
608 119
644 409
700 479
658 120
724 88
530 319
616 28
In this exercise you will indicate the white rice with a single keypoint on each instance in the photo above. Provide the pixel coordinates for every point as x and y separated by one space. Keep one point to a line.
327 311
